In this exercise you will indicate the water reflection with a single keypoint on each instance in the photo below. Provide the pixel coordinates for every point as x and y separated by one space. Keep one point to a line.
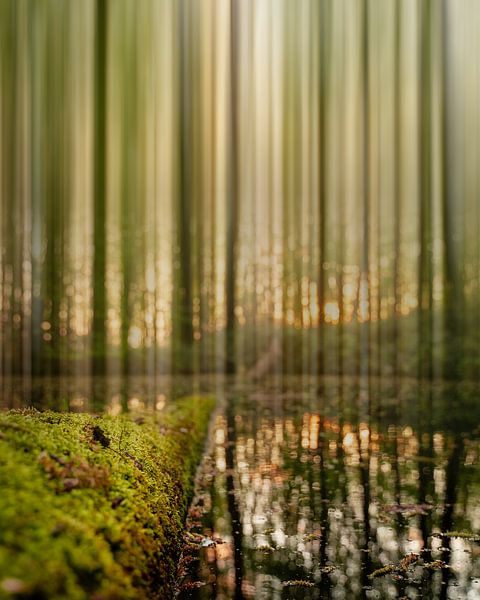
313 488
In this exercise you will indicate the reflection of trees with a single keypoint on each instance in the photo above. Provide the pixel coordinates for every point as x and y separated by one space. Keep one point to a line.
425 460
452 473
324 499
315 482
235 516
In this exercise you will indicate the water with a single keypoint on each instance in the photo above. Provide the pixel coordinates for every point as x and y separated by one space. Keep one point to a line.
325 482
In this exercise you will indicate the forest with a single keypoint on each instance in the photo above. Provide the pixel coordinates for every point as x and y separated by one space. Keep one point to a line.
240 285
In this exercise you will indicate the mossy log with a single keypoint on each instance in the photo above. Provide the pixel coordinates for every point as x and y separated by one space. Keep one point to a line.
93 507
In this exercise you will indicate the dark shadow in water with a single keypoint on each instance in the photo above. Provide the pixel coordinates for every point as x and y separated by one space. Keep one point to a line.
452 472
325 584
235 515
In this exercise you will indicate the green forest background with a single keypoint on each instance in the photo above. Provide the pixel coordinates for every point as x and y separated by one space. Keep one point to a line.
239 186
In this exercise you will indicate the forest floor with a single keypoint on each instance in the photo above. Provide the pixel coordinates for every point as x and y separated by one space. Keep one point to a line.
94 507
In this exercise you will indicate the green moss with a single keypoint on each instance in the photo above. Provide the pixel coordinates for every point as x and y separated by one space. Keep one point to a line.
93 507
386 570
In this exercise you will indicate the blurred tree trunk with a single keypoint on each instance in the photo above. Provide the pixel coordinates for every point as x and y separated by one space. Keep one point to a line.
100 159
232 206
325 24
397 215
56 184
365 258
8 72
128 191
425 267
453 292
182 320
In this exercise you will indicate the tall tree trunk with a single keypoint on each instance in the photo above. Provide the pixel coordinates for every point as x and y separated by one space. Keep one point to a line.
425 275
453 297
365 262
182 322
397 215
325 23
127 202
100 158
232 207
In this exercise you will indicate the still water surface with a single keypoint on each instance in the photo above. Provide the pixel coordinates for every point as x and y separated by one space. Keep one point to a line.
308 485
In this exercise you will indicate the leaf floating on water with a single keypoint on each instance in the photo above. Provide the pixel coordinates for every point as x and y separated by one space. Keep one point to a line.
408 560
298 583
328 569
383 571
397 571
436 565
466 535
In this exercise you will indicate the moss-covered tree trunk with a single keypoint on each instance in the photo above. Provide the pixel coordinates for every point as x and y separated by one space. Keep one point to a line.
94 507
